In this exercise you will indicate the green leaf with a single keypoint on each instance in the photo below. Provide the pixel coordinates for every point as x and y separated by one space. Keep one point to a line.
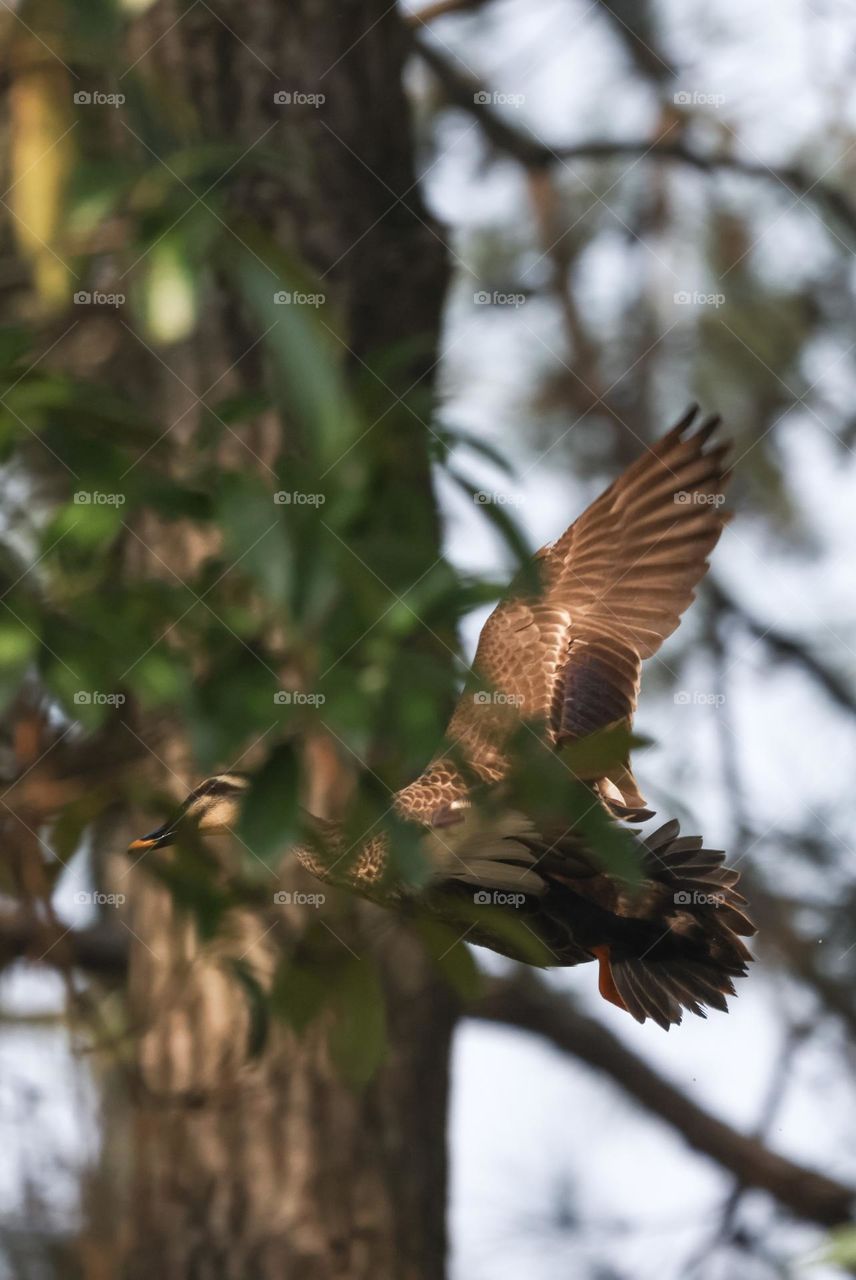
169 287
500 924
456 437
407 864
357 1036
308 359
89 521
840 1250
594 755
613 846
270 814
14 344
69 827
172 500
300 993
250 520
159 677
499 515
188 872
17 645
456 963
235 701
257 1005
240 407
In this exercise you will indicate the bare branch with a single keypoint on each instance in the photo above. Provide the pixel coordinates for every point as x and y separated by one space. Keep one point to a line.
785 647
469 95
634 25
523 1001
101 949
440 9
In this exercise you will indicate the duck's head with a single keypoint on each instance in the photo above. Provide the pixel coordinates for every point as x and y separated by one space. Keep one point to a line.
215 805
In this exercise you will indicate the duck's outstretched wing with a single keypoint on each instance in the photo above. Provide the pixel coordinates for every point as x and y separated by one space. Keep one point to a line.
612 588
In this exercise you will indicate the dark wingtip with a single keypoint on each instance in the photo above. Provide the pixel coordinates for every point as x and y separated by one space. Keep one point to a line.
685 421
707 428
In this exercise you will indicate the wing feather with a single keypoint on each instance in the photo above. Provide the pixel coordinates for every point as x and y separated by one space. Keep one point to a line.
613 588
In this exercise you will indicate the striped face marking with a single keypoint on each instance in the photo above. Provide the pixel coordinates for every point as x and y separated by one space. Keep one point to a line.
213 805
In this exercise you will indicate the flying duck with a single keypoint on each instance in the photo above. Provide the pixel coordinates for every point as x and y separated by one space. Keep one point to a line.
563 654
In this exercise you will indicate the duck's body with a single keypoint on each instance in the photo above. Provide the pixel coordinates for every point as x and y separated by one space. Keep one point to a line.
566 658
671 941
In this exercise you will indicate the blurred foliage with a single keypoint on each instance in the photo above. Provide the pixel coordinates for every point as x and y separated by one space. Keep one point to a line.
317 600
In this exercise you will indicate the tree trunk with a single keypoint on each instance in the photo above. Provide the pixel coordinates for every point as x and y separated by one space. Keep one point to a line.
276 1167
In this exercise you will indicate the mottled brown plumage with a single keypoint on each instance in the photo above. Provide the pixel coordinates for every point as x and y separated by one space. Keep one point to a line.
613 587
565 656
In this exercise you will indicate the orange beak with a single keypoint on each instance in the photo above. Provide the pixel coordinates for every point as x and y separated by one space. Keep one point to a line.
154 840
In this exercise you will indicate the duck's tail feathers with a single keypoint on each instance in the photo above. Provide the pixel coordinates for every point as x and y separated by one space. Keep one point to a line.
692 964
661 990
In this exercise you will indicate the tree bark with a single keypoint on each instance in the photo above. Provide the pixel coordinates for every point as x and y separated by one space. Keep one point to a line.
276 1167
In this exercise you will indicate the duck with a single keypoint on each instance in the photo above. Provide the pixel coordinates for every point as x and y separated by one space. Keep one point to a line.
561 655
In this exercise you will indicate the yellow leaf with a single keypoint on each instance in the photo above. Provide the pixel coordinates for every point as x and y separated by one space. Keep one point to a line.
42 152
